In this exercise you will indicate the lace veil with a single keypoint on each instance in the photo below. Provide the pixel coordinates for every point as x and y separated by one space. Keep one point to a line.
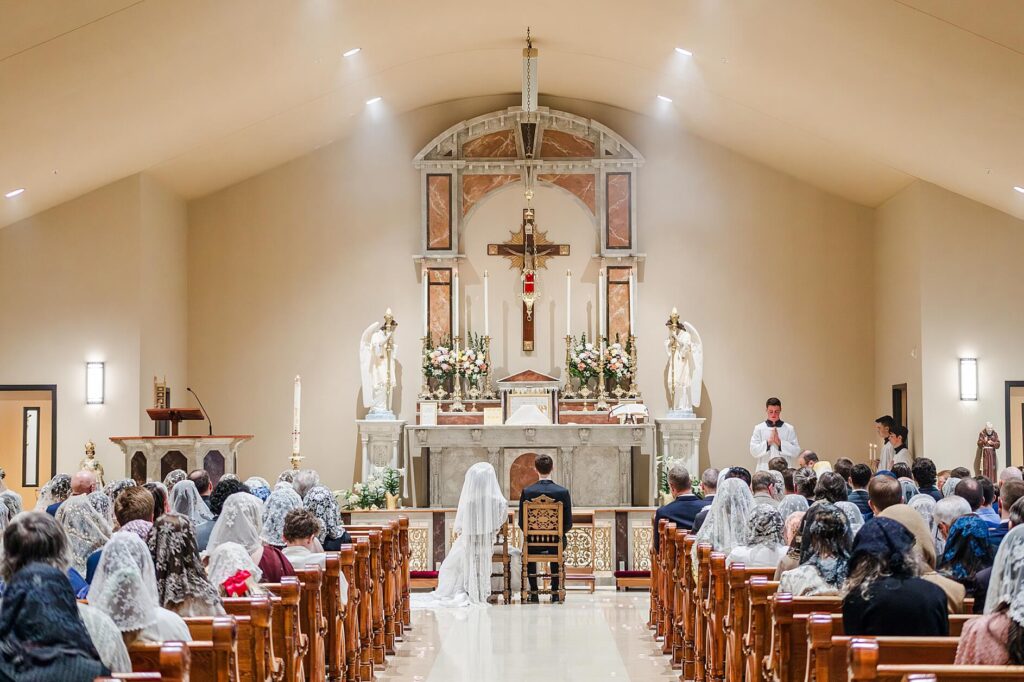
174 477
230 558
179 572
280 502
185 500
87 530
240 521
1006 586
102 504
321 502
482 508
124 587
792 503
57 489
724 528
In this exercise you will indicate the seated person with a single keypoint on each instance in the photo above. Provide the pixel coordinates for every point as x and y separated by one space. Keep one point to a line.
997 638
967 554
545 486
321 502
923 470
709 487
684 508
823 562
764 546
913 520
241 522
133 504
762 484
180 575
302 548
884 594
233 572
226 487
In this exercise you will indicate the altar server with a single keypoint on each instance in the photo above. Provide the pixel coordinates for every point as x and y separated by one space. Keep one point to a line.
773 437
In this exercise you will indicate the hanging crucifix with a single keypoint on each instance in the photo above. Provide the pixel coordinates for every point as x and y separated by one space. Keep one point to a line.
528 250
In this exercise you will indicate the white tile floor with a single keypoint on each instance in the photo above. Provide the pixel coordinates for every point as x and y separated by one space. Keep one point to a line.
602 636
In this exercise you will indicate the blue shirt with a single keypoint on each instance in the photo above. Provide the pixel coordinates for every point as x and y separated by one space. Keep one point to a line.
989 515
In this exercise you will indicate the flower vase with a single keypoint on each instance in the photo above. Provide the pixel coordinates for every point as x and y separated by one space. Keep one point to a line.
392 502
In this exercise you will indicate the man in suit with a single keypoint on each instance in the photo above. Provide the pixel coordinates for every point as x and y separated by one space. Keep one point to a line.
545 486
709 484
684 509
1009 492
860 476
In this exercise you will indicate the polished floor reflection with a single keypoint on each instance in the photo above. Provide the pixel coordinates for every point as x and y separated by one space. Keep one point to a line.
600 636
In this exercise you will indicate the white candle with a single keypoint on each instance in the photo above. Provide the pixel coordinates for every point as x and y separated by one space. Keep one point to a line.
632 298
295 415
455 303
487 317
600 303
426 303
568 303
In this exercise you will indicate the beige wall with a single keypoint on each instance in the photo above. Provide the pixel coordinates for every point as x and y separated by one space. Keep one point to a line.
287 268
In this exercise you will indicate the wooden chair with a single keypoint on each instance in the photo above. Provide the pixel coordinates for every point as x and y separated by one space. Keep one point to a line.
737 615
254 615
542 543
312 622
757 638
503 559
865 666
582 524
290 643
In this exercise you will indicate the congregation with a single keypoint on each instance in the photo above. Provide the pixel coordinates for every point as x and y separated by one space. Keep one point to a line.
140 559
902 547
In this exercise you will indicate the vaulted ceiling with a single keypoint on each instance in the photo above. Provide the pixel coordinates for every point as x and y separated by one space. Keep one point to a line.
858 97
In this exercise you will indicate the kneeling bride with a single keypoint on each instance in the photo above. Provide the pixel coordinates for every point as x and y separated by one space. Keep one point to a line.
465 575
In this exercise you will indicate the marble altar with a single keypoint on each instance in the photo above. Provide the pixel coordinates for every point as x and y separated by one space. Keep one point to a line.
150 458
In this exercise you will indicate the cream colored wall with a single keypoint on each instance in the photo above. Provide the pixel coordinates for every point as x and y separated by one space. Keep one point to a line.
288 267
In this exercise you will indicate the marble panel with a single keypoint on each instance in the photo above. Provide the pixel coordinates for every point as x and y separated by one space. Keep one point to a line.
521 475
454 465
439 304
618 195
557 144
501 144
598 479
439 212
475 187
618 304
581 185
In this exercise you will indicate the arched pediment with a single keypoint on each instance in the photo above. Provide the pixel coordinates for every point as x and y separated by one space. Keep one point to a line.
580 156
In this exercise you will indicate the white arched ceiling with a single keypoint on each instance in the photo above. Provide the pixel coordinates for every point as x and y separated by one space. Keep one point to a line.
856 97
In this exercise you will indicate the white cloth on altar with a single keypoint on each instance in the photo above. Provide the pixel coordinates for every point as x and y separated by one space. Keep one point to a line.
465 575
528 415
760 450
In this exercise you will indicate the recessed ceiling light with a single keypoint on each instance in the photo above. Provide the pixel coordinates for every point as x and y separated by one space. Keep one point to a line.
374 100
664 99
352 52
1017 188
684 52
14 192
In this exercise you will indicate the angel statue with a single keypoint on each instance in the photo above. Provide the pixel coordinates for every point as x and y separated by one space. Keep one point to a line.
685 370
377 365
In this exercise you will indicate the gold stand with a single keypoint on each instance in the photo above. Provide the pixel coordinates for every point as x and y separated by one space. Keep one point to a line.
425 386
488 386
457 405
567 391
602 393
634 390
295 459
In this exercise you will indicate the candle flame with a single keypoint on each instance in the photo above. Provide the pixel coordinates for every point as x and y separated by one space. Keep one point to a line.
388 311
674 311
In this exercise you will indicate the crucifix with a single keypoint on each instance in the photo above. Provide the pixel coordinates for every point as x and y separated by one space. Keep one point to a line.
528 250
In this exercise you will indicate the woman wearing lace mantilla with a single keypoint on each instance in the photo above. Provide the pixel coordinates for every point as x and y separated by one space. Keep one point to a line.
241 521
182 584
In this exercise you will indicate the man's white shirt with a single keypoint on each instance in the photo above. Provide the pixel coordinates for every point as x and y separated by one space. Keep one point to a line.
762 452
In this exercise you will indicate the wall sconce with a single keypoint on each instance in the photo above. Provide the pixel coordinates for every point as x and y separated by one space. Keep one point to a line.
968 379
94 383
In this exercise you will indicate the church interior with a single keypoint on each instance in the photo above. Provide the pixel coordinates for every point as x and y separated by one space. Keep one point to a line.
354 254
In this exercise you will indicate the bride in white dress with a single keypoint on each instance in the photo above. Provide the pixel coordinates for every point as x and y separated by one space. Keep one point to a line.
465 575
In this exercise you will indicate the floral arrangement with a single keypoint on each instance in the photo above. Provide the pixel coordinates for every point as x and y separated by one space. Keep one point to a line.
665 463
617 364
584 359
439 362
372 493
472 362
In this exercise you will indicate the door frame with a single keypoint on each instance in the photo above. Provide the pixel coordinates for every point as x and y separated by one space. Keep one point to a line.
1010 385
52 388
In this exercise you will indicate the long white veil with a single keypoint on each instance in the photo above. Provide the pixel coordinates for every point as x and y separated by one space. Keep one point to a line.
482 508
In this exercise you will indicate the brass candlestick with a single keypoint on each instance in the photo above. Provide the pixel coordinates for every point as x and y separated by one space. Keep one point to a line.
457 405
602 393
634 390
425 386
488 386
295 459
567 391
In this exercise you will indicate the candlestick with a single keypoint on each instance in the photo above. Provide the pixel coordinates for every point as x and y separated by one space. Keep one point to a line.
632 300
487 317
426 302
568 302
488 386
634 390
295 415
600 302
602 394
425 386
457 405
455 303
567 391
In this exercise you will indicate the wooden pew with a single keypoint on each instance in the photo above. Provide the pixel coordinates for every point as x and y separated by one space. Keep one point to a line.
666 561
828 647
737 615
365 617
210 661
334 613
173 664
352 643
864 666
757 638
788 648
312 622
406 552
222 660
689 620
655 620
375 588
290 643
700 623
254 616
717 606
679 568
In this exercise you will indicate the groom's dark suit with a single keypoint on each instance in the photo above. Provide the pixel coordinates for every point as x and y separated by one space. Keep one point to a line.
559 494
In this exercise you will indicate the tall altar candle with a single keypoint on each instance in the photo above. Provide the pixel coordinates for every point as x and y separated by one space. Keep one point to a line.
601 290
426 302
455 303
632 299
295 415
487 317
568 302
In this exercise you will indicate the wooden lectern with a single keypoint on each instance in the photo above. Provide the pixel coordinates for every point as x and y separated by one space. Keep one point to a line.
175 415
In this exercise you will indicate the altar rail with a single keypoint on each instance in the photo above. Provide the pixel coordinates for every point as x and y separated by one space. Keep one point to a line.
615 538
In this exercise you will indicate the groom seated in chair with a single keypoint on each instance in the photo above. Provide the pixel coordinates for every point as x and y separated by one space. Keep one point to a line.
545 486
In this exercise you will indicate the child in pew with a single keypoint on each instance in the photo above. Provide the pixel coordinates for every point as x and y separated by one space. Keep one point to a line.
301 527
233 572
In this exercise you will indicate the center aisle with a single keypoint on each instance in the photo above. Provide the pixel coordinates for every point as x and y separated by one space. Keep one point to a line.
602 636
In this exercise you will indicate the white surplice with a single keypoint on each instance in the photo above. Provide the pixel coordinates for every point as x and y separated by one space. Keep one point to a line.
885 458
760 450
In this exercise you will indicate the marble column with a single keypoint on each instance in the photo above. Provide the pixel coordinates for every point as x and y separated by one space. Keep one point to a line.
625 477
679 440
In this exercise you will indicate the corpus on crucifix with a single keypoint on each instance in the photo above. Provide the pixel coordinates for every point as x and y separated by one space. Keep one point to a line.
528 250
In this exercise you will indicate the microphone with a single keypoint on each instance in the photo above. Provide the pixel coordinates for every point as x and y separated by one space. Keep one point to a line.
202 408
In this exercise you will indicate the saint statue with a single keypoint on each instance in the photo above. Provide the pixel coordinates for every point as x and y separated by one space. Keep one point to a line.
685 371
988 443
377 364
90 463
